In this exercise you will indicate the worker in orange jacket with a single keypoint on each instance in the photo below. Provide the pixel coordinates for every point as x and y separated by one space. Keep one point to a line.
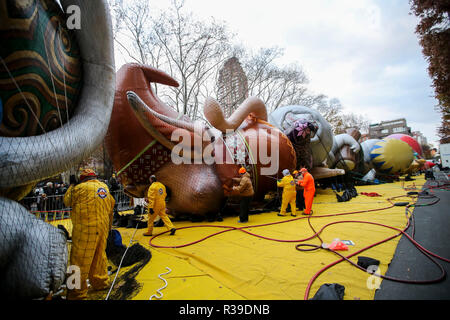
156 197
309 189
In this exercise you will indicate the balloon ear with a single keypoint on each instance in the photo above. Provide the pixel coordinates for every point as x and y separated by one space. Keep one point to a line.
158 76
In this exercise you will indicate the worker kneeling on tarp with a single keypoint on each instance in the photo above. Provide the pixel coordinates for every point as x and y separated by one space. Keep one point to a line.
289 193
92 213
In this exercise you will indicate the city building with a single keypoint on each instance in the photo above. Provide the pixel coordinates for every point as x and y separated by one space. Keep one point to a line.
232 86
386 128
420 138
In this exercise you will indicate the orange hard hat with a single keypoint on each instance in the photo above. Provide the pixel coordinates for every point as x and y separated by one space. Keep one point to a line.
303 170
242 170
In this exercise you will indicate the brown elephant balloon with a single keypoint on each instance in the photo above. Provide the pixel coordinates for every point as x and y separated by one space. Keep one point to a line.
194 161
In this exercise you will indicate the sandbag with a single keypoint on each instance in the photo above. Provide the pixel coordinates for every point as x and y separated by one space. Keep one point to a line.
366 262
33 254
330 291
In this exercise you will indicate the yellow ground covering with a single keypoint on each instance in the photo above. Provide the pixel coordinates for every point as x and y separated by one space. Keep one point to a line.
236 265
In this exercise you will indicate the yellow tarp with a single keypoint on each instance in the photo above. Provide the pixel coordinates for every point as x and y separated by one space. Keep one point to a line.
236 265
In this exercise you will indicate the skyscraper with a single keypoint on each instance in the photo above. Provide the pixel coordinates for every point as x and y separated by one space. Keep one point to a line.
232 86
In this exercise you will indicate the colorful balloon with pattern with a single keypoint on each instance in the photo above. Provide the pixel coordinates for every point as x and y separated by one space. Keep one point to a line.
391 156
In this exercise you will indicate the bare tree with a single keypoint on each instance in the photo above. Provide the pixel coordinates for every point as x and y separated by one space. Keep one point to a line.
333 111
131 22
193 52
351 120
330 109
276 86
175 41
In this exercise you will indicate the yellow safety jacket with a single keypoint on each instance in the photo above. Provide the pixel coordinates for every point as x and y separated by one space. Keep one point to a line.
156 196
92 213
91 204
288 184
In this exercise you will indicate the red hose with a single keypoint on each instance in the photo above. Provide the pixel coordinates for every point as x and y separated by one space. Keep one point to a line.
421 248
426 252
230 228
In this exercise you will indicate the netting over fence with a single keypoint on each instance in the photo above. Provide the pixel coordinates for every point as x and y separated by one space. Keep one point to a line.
57 85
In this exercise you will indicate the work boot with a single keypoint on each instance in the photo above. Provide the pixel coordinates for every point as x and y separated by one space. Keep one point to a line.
281 215
147 234
172 231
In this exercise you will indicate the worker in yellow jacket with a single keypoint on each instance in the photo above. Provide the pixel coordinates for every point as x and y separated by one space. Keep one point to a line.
289 193
92 213
156 197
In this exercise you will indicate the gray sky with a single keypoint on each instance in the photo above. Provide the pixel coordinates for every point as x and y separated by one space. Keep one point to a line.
363 52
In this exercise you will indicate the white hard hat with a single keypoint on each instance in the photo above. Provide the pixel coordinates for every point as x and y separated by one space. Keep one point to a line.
285 172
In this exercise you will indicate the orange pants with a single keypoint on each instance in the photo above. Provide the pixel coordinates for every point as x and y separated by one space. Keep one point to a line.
309 197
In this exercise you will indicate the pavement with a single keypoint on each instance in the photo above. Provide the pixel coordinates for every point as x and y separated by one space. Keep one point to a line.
432 231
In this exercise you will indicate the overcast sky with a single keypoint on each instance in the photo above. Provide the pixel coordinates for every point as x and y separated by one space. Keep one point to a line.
363 52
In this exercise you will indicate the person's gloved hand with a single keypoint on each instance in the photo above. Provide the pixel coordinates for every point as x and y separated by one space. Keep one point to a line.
152 211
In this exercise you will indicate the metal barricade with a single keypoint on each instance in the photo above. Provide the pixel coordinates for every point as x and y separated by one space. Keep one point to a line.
123 201
51 208
47 208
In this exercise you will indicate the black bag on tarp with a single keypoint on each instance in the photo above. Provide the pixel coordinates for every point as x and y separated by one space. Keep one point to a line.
330 291
366 262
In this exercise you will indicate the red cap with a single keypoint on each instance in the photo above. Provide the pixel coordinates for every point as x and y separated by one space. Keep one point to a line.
87 173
